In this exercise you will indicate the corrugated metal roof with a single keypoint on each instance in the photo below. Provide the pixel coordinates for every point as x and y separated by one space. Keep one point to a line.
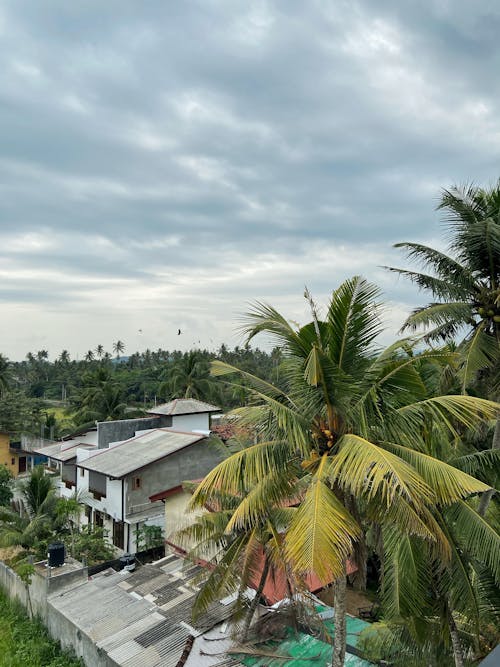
183 406
138 452
120 612
63 451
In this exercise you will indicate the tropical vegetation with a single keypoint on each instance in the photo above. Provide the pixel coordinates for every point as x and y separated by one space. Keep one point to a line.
345 445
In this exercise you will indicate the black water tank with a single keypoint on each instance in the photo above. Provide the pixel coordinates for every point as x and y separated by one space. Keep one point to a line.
55 555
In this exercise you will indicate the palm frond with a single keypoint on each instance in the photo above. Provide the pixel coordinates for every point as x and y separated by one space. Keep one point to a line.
478 462
450 410
241 471
406 575
448 483
479 350
445 318
366 470
321 533
263 318
475 535
445 267
353 322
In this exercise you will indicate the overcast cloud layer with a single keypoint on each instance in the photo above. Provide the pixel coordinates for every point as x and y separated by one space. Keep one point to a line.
165 163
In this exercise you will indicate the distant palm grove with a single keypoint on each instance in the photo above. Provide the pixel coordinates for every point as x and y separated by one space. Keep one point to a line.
387 458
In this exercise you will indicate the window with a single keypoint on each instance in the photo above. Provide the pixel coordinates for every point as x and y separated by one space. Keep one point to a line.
12 461
136 483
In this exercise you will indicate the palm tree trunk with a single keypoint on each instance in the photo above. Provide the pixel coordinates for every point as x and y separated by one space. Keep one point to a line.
255 601
340 637
455 641
361 557
488 495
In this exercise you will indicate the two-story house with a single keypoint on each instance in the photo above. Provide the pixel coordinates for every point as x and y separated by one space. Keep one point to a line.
119 483
123 499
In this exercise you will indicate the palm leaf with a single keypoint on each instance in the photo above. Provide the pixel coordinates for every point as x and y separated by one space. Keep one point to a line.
406 576
448 483
241 471
366 470
450 410
321 533
353 323
479 350
476 536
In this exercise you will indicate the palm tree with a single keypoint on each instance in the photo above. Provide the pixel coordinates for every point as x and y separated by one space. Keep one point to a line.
5 374
118 348
465 286
344 409
64 357
188 378
89 356
99 351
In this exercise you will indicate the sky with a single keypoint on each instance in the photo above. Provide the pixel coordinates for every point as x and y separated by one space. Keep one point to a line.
164 164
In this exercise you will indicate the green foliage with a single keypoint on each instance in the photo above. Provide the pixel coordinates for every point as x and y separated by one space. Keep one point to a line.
90 543
5 485
148 537
26 642
19 413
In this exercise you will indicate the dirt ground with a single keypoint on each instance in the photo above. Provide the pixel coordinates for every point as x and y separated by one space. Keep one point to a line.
355 599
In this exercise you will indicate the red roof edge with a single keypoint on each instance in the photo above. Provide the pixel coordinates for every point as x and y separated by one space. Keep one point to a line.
165 494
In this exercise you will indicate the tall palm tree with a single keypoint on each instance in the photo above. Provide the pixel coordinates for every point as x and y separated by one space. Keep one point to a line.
99 351
465 286
346 405
89 356
5 374
118 348
188 378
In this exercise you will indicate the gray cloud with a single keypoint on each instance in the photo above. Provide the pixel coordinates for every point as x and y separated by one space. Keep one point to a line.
189 157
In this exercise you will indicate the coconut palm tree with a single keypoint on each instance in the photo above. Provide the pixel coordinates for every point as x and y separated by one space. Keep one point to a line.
465 287
187 378
89 355
5 374
344 403
118 348
99 351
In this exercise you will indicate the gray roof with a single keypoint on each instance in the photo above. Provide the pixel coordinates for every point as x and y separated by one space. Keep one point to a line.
62 451
140 618
138 452
183 406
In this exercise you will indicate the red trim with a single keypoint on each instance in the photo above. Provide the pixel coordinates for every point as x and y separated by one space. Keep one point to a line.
165 494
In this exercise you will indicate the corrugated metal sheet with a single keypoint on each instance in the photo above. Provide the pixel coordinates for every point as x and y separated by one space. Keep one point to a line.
138 452
134 630
183 406
62 451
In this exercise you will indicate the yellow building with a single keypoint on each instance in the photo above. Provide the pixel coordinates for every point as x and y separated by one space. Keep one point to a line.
13 460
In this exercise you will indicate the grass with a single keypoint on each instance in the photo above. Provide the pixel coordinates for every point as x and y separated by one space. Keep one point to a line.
24 642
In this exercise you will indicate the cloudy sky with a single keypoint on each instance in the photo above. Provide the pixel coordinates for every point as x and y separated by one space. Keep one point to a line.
165 163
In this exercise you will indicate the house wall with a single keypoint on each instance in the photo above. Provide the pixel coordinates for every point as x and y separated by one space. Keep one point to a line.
189 463
197 422
123 429
6 456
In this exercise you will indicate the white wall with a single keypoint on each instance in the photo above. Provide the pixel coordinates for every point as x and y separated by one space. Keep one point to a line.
198 422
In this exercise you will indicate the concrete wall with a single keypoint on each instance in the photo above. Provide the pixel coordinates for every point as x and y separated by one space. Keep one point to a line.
60 628
191 462
196 422
123 429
